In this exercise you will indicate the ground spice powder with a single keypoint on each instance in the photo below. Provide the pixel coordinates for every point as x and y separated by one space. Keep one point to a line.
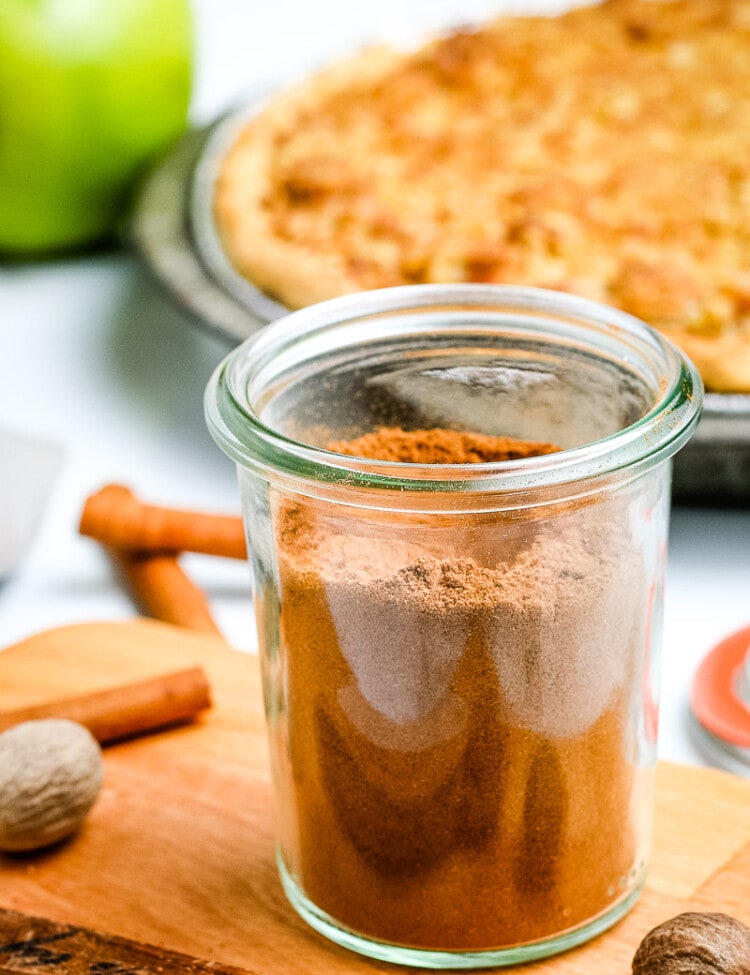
457 738
438 447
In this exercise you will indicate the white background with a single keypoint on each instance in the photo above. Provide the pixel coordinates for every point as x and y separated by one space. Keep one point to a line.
94 358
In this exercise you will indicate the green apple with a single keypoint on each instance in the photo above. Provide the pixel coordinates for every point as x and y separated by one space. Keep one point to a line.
90 90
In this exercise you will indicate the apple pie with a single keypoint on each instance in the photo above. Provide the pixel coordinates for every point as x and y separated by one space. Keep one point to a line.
603 152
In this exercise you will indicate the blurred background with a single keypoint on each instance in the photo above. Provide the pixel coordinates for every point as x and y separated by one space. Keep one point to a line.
105 376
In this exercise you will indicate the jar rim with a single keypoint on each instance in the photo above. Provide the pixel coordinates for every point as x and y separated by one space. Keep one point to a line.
653 437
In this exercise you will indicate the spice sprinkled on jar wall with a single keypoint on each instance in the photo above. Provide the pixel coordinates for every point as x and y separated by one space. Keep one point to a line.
457 501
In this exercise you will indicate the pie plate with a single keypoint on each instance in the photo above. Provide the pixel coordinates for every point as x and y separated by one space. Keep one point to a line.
171 227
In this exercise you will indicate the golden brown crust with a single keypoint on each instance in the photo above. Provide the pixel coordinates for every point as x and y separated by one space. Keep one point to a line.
604 152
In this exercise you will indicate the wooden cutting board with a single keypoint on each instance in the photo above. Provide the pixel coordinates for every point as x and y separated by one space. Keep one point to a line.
178 851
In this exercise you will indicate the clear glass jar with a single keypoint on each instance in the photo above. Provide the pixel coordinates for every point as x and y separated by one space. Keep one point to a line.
460 660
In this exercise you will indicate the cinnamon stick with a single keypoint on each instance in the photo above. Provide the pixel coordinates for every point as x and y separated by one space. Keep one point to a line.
115 517
163 591
128 710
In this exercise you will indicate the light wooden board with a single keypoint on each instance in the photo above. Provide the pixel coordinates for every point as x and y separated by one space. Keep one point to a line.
178 851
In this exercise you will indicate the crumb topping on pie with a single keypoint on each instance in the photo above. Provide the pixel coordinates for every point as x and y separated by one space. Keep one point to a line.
605 152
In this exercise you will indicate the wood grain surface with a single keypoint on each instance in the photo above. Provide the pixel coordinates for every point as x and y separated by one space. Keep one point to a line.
178 852
38 946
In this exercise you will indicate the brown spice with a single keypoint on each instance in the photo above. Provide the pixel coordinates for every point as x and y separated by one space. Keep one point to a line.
438 447
462 766
695 944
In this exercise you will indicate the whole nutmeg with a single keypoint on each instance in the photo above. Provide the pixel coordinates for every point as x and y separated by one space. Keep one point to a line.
51 772
695 944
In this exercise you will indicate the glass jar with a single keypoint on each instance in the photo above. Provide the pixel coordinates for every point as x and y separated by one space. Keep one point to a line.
460 660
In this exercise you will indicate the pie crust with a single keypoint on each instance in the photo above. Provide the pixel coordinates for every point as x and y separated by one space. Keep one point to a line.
604 152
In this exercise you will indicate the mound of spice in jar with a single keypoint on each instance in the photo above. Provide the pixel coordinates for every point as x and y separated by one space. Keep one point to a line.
460 698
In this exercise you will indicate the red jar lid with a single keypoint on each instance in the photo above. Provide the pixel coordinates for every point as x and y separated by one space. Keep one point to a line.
715 698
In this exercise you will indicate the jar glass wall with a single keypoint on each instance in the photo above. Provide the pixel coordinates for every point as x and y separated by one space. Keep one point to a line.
460 660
